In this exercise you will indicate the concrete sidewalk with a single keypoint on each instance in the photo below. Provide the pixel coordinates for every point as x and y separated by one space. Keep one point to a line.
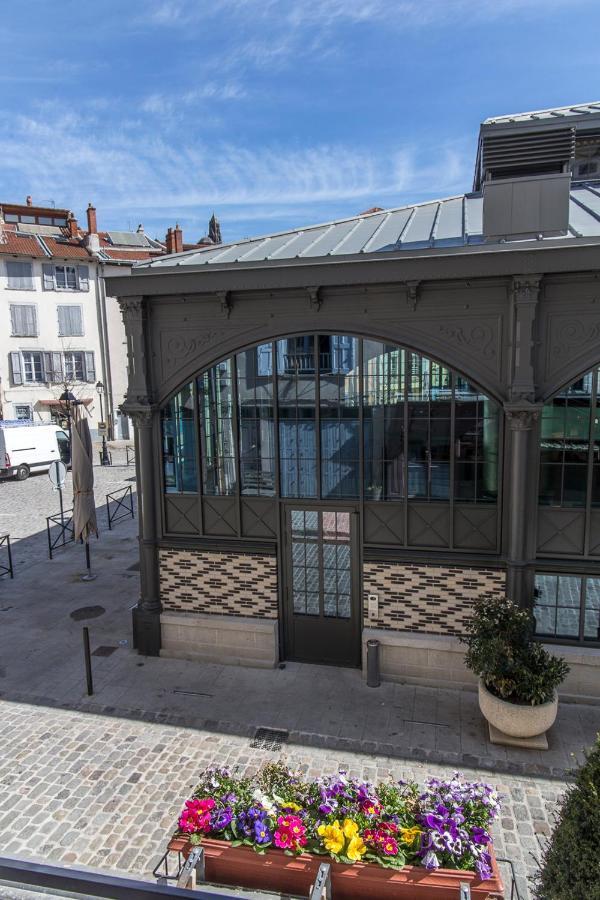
42 662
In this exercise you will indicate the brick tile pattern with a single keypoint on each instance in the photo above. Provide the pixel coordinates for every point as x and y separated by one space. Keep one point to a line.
434 599
225 583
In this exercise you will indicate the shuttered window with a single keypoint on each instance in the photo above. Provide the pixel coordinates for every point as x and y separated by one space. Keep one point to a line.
70 321
33 366
79 366
23 320
20 276
66 278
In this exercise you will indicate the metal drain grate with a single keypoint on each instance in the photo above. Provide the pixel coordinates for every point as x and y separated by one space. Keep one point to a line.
269 739
104 650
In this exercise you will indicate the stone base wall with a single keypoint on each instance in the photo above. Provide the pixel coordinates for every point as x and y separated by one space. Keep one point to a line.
227 640
426 599
223 583
437 660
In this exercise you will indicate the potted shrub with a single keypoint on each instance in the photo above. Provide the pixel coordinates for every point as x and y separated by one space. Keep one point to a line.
271 832
518 677
570 865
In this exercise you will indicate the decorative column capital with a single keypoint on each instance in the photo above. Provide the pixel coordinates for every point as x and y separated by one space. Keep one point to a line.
522 416
140 410
314 298
412 293
132 309
526 288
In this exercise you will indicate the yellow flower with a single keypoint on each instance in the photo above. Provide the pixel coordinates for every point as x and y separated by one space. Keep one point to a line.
350 828
293 806
333 837
356 848
407 835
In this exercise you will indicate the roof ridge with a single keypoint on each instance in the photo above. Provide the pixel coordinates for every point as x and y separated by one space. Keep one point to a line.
537 112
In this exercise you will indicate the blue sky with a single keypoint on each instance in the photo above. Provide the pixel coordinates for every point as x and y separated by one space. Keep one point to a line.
275 113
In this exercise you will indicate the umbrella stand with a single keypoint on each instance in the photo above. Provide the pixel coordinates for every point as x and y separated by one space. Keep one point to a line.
89 576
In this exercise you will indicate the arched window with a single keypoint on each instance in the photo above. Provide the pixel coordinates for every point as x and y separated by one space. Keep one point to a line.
570 446
333 417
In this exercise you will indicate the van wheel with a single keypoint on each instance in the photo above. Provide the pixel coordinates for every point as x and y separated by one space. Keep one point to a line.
22 473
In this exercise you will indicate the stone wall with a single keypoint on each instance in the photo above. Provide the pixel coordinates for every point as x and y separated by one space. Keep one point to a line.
223 583
430 599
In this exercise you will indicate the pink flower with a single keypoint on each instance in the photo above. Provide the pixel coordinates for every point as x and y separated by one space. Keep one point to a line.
195 816
290 833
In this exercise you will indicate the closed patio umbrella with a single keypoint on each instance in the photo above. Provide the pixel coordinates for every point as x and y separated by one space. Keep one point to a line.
84 504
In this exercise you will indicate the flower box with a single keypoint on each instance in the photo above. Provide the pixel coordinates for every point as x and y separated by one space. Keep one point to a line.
276 871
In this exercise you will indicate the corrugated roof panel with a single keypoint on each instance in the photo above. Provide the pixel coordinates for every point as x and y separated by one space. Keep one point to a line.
473 215
449 225
330 239
590 199
299 242
200 257
364 229
579 109
262 249
390 230
582 222
128 238
420 227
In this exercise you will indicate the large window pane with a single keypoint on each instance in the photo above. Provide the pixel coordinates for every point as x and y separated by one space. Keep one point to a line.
383 414
215 400
339 387
565 445
179 443
256 420
296 365
557 605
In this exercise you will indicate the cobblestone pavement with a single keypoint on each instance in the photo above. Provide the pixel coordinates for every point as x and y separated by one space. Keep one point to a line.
100 791
24 506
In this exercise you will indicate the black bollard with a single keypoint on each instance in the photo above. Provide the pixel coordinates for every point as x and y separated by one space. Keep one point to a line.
88 660
373 679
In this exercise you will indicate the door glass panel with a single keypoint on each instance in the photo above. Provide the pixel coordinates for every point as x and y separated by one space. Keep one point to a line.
321 577
336 566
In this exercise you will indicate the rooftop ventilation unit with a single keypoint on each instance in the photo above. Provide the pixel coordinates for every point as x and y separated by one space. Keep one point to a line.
509 154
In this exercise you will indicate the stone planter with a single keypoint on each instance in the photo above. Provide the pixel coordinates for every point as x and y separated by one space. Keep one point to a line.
276 871
518 721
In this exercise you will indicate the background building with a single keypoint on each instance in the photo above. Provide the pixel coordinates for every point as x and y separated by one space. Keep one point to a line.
60 328
351 431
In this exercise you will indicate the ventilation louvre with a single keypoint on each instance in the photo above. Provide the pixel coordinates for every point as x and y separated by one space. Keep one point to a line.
538 151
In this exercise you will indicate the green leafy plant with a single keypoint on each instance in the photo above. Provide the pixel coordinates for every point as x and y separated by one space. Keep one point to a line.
570 867
502 652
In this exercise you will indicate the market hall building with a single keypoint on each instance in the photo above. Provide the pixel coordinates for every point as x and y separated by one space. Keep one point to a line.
353 430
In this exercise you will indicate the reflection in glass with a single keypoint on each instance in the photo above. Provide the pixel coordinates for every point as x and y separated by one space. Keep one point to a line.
565 445
557 607
256 420
297 417
215 401
179 443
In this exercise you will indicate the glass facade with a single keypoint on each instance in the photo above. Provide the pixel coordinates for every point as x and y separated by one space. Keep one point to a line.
334 417
570 446
567 606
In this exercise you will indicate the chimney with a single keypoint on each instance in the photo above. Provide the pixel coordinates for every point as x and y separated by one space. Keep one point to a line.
170 241
178 238
29 200
72 226
91 219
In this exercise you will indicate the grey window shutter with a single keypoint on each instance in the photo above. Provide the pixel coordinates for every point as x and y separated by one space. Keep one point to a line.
48 276
62 323
57 368
84 278
15 368
29 313
90 368
76 320
48 368
14 320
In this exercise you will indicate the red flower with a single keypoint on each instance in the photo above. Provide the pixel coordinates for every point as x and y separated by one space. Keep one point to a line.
196 816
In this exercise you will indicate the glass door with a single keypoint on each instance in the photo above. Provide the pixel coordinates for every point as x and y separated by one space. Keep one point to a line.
321 586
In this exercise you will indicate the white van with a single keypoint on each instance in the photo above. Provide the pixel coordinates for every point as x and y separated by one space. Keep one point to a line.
26 448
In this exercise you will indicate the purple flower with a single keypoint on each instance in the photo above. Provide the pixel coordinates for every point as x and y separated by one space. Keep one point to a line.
430 860
484 866
221 818
480 836
262 835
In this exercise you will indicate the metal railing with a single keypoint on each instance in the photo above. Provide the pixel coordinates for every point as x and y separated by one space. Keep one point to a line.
5 542
130 454
22 873
123 505
66 531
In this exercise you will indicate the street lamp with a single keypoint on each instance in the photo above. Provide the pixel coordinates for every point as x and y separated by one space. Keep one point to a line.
104 460
68 400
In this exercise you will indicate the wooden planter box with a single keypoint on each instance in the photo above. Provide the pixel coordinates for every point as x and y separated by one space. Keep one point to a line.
276 871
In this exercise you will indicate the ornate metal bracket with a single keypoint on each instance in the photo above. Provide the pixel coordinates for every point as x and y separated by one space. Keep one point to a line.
412 294
226 302
314 298
522 416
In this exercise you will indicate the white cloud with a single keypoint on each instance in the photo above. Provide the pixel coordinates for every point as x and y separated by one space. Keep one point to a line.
131 172
164 104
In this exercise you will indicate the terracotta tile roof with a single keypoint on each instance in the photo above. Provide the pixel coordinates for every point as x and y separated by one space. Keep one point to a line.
130 255
11 242
68 249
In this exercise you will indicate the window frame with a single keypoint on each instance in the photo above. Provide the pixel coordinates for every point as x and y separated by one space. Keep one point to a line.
569 640
39 353
73 377
70 306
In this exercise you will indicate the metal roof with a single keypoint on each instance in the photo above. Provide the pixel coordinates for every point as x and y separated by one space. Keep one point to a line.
453 222
559 112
